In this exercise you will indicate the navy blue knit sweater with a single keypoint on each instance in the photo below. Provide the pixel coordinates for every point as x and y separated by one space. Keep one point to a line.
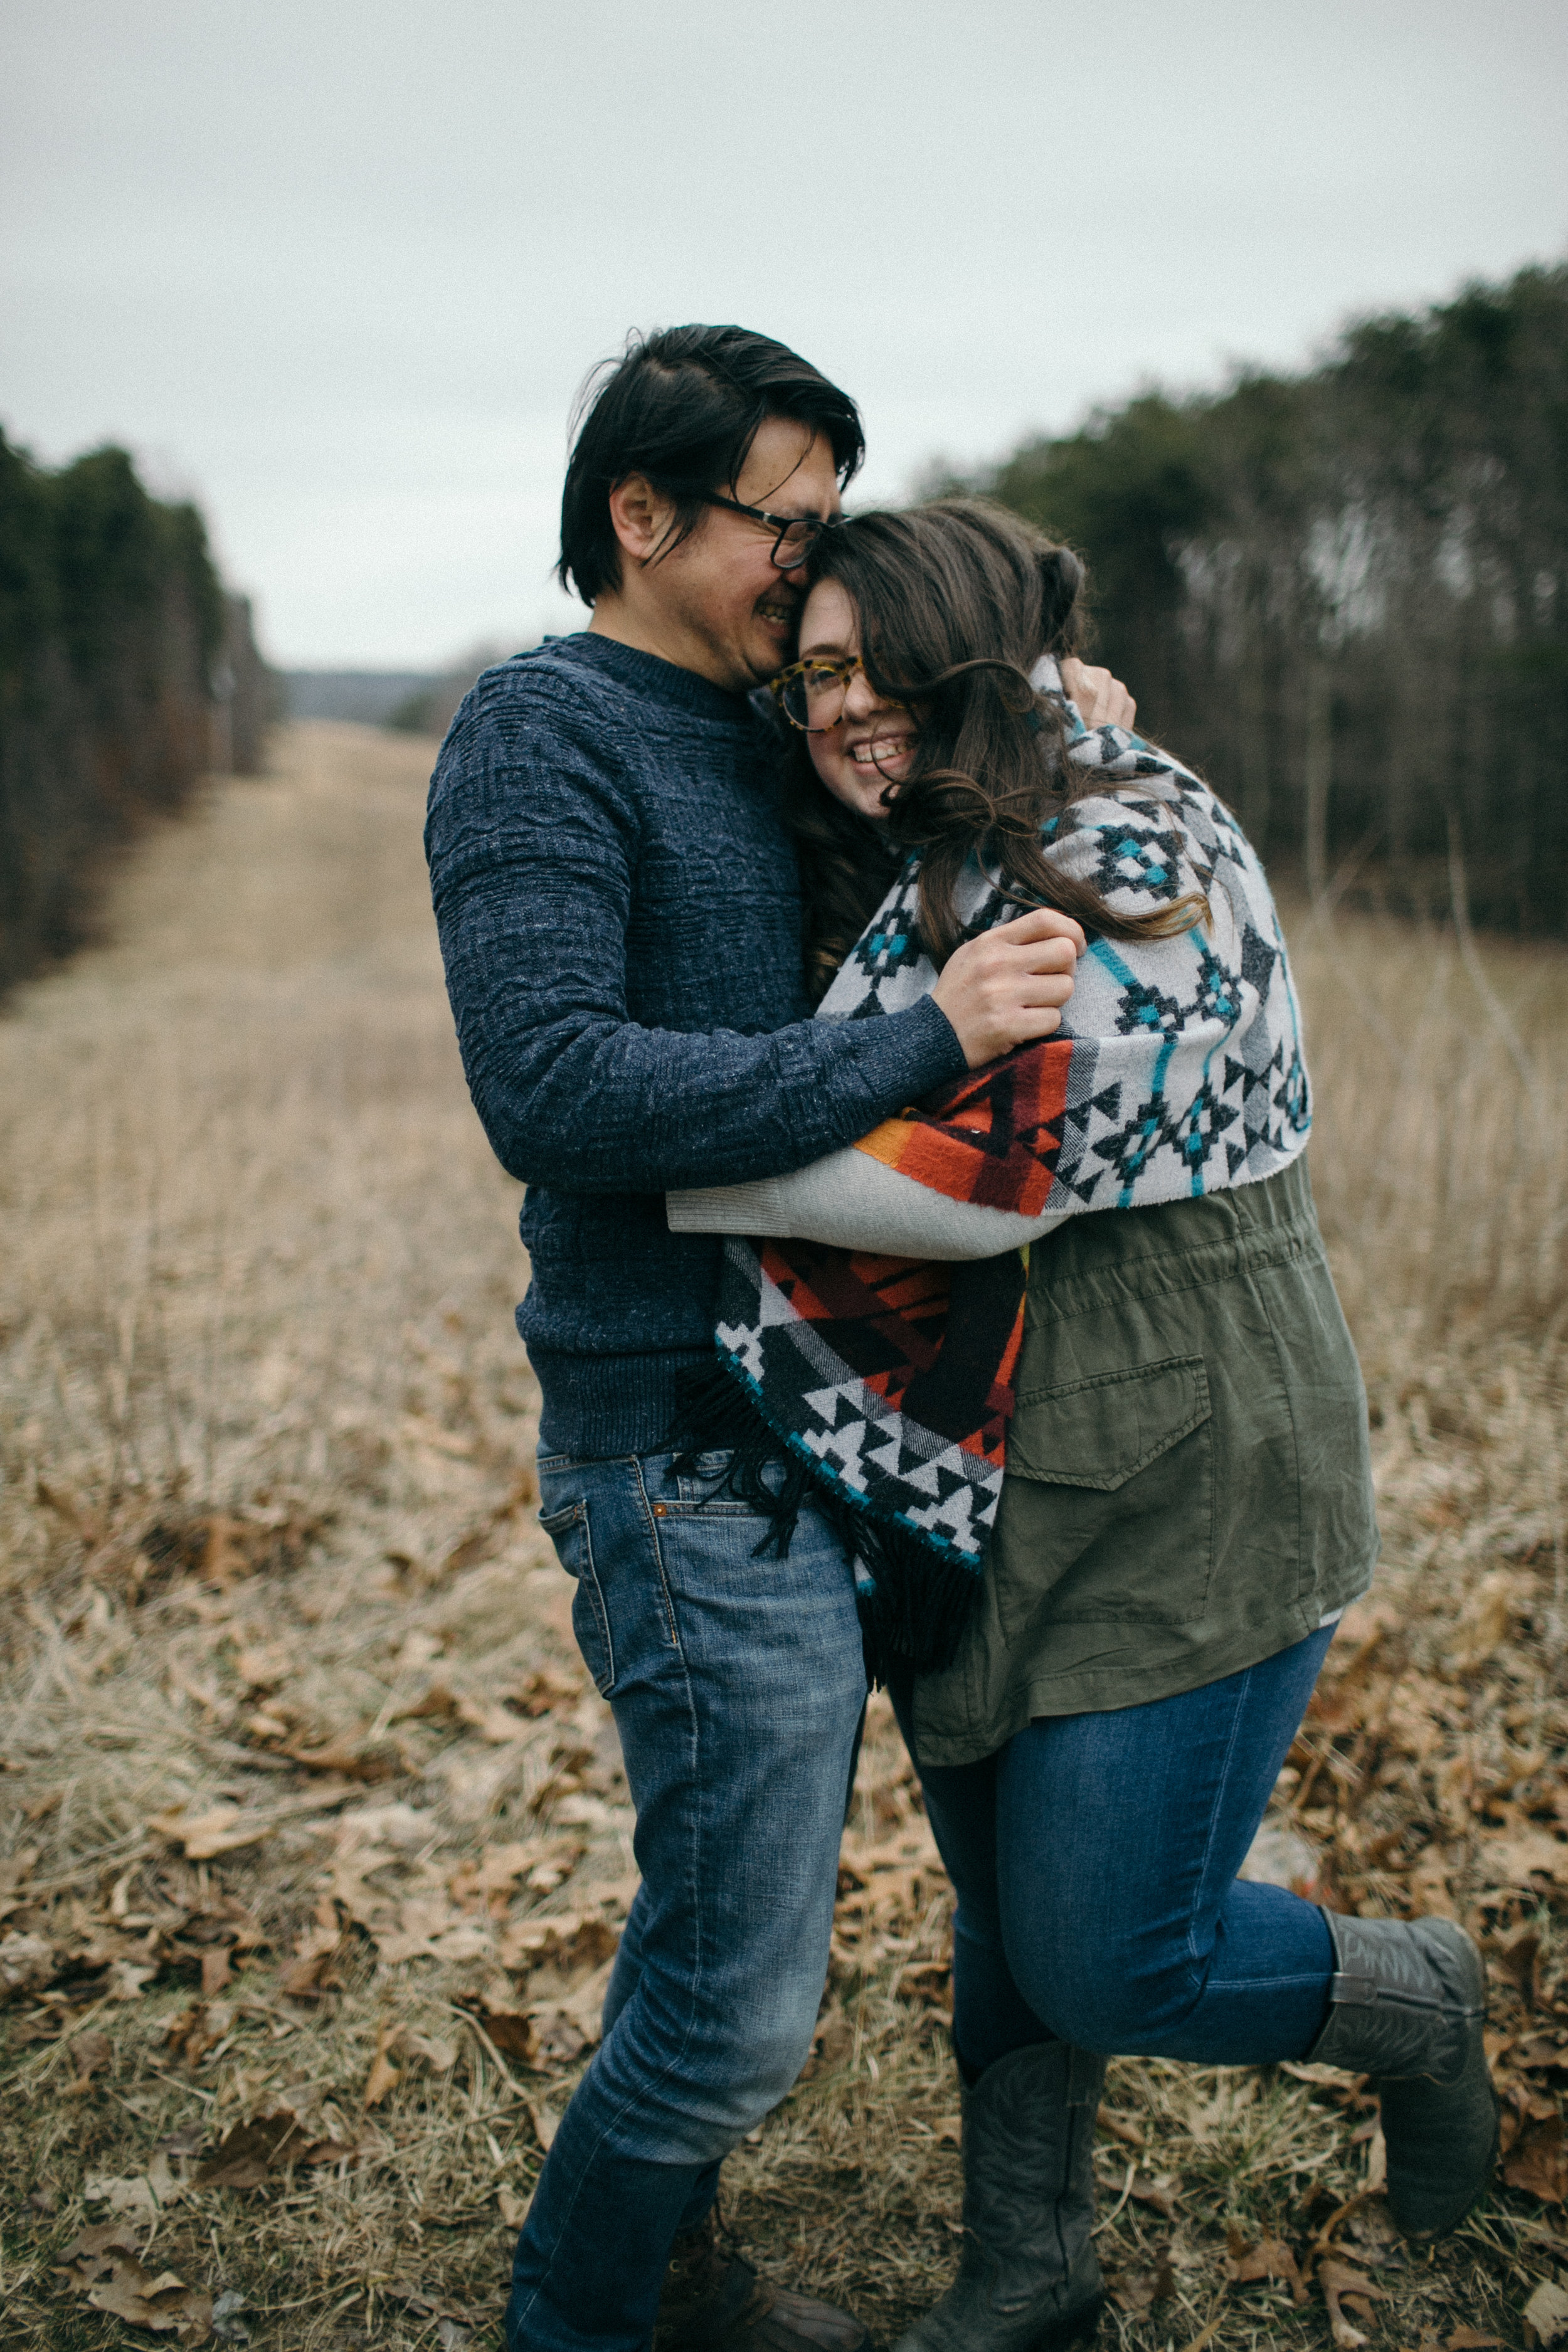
619 915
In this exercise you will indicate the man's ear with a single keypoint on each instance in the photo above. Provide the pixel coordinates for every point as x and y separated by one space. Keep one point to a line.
640 516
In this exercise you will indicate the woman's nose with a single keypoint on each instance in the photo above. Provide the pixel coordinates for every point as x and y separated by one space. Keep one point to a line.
862 700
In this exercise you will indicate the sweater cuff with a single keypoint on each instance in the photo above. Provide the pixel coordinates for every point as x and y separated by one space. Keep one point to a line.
919 1049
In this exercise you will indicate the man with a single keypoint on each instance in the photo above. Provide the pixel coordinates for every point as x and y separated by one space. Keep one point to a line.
619 916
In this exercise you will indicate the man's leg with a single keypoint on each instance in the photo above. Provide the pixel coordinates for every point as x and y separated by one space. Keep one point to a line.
737 1686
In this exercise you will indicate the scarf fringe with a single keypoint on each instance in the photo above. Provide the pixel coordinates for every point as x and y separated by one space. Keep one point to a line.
917 1605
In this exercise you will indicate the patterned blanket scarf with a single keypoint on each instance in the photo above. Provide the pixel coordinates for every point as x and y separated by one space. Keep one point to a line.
880 1387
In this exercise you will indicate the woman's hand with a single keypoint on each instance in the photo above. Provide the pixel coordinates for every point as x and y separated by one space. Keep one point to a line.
1007 987
1102 700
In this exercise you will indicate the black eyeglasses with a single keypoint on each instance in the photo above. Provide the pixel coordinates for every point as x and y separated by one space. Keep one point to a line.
797 534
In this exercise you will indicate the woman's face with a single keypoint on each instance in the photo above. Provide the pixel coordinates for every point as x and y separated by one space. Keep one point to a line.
872 746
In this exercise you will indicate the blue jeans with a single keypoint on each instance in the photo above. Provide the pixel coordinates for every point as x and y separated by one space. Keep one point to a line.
1094 1859
738 1689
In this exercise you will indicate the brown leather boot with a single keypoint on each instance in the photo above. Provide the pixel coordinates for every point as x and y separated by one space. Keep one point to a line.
714 2301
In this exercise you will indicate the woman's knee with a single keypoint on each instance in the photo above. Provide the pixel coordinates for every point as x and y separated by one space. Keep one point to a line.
1113 1997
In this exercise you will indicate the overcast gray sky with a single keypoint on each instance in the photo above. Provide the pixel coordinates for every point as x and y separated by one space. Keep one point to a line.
338 269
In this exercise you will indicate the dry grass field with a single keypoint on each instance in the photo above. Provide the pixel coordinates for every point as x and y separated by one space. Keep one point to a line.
313 1845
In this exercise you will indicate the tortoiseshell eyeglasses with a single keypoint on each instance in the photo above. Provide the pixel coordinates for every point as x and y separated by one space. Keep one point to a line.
812 693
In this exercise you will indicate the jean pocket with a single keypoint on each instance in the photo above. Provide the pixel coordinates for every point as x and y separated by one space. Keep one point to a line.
568 1530
704 1487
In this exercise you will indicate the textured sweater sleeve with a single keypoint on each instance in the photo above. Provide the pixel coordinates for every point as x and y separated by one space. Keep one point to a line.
857 1203
532 848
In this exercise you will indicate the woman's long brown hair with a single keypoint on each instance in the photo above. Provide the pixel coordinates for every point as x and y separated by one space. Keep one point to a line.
957 601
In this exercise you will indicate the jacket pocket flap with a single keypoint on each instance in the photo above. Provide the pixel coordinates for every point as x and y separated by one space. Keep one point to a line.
1102 1431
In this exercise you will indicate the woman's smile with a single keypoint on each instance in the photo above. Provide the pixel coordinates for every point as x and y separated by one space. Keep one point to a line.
885 754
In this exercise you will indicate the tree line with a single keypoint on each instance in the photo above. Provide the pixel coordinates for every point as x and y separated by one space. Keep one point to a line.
126 672
1344 595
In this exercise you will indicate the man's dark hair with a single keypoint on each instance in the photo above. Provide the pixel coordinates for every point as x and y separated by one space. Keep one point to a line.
682 407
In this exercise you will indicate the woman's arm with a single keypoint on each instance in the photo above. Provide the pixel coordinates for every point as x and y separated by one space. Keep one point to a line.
855 1203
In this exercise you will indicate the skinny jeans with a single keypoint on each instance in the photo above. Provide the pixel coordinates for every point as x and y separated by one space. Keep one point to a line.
738 1688
1094 1861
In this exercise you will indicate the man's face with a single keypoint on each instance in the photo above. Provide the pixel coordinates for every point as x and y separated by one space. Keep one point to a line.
722 589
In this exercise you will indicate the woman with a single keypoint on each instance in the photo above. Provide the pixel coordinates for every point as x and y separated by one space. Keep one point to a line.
1101 1715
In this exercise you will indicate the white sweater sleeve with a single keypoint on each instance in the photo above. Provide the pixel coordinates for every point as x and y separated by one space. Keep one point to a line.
853 1202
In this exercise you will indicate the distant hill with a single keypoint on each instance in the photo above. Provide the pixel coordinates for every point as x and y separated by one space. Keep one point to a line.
415 702
369 697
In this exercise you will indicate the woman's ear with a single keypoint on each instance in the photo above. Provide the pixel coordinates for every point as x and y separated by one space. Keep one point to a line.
1061 580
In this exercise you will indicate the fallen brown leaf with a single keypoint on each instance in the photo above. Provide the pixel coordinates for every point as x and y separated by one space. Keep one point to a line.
1338 2280
197 2030
546 1691
436 2050
1538 2162
384 2075
164 2303
1546 2316
1136 2291
90 2052
132 2195
216 1970
438 1705
1518 1960
226 1829
577 1940
302 1977
129 1980
100 2238
1514 1858
245 2154
222 1828
346 1755
513 2033
1270 2258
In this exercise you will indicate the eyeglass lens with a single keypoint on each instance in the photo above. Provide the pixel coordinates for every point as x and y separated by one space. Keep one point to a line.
794 543
815 697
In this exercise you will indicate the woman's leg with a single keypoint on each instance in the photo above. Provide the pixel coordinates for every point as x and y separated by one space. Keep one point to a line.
990 2015
1028 2280
1120 1834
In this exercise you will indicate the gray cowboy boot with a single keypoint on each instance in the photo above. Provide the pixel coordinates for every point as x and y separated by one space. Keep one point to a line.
1029 2279
1409 2002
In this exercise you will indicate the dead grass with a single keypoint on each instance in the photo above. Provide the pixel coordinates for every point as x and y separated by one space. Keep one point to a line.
310 1830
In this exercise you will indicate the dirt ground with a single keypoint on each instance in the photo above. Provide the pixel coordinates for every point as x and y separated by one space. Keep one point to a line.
313 1840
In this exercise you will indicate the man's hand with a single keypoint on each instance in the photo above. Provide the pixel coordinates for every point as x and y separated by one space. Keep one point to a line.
1007 987
1102 700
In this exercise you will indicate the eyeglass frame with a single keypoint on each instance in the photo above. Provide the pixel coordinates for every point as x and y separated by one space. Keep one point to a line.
845 668
815 524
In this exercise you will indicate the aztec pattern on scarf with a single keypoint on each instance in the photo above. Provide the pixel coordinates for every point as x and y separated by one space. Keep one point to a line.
1177 1071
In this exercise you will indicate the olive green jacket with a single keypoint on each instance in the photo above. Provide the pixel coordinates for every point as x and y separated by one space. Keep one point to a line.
1189 1484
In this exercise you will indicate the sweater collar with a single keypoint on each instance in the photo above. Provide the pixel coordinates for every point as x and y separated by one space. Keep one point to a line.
648 674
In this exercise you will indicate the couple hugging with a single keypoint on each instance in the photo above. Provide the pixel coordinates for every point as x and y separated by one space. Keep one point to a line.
906 1074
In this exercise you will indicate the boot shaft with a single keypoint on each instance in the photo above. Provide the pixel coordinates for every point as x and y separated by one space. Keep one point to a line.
1028 2167
1405 1998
